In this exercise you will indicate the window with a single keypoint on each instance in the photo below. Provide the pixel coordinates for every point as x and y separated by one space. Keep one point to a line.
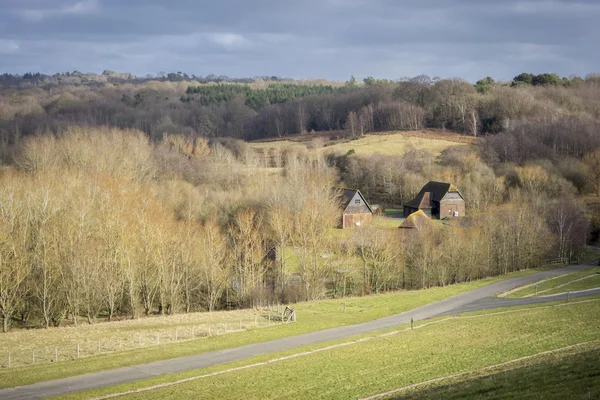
357 201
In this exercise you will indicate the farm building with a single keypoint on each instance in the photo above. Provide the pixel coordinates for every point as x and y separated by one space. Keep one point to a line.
417 220
437 200
356 210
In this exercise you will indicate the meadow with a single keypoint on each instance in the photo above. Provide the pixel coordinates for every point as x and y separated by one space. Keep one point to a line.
312 316
381 363
389 143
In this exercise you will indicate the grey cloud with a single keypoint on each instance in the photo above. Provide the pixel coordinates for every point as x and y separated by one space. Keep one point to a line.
314 38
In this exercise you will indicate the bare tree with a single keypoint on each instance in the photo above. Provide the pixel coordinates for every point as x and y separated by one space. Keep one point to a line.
13 253
592 160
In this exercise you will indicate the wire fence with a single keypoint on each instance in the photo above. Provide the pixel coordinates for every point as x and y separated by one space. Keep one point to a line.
138 340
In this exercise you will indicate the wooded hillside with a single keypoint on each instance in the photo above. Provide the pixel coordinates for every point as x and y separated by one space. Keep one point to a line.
126 197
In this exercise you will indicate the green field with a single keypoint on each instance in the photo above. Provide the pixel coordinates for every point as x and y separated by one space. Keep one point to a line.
561 284
589 282
565 375
383 362
387 222
312 316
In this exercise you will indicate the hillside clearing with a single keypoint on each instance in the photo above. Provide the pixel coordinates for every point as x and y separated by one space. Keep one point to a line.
388 143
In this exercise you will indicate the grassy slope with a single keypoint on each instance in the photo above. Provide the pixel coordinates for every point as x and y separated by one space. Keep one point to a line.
560 376
392 143
549 285
388 362
588 283
312 316
112 335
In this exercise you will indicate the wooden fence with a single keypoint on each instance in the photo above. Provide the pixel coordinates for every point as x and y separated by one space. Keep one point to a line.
49 354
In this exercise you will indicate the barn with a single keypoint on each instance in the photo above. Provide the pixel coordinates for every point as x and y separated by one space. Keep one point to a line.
439 200
356 210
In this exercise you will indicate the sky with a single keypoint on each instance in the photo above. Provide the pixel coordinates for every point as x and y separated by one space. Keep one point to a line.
302 39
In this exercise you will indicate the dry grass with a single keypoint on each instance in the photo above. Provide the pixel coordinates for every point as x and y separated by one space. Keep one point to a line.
122 335
396 143
383 143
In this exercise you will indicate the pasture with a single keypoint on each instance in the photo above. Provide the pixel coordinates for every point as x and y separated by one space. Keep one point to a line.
312 316
368 365
389 143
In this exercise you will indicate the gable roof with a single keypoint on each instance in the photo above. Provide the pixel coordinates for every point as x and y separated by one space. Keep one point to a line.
347 196
417 220
431 192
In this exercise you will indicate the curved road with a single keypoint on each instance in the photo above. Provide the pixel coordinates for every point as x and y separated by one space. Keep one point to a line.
477 299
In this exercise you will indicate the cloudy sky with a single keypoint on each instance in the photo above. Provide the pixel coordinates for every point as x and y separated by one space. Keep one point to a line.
302 38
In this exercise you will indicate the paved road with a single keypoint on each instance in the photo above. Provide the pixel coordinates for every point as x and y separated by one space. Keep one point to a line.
477 299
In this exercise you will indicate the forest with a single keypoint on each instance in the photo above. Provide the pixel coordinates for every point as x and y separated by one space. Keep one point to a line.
121 196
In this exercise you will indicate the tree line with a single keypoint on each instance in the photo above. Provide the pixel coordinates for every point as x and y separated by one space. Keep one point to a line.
271 107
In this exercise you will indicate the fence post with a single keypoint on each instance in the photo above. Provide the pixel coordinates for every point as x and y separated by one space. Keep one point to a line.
77 350
269 316
175 334
412 323
568 293
536 287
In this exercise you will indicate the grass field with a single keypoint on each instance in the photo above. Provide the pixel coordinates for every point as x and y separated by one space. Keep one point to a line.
388 143
37 345
589 282
394 144
565 375
572 281
387 222
312 316
379 363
